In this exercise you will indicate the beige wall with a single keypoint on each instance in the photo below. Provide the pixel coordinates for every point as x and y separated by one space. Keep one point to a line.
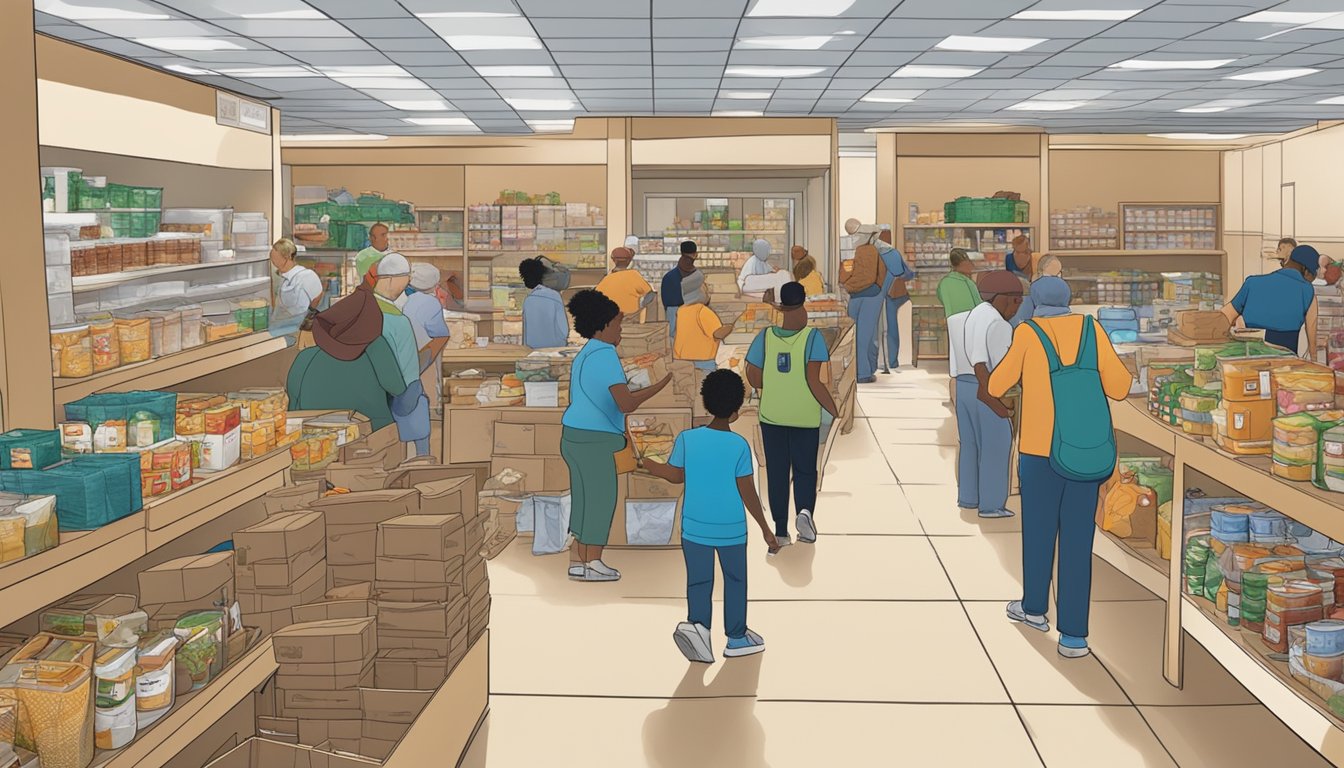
858 190
1106 178
428 185
184 186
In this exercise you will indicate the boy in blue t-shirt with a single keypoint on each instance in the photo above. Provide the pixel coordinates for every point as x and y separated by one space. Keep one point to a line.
715 464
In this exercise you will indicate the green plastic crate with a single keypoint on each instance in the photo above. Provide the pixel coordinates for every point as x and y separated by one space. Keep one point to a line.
986 210
310 213
91 198
126 197
347 235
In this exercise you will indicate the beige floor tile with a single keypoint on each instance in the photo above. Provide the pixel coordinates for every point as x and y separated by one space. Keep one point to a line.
936 508
1228 736
883 407
985 567
923 652
894 568
1032 668
922 464
741 733
644 573
866 509
898 431
1097 737
1127 638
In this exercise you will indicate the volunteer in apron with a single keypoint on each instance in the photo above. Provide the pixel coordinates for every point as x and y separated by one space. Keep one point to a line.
1282 302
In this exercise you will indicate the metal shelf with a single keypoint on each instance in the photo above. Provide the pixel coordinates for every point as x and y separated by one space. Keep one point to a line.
90 283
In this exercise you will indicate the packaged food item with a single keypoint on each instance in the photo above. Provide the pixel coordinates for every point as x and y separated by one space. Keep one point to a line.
114 703
155 685
106 345
134 338
110 437
143 429
201 655
76 437
55 710
192 318
72 352
50 647
40 525
11 537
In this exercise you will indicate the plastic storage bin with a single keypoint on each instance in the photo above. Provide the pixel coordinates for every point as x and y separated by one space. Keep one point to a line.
56 248
148 416
211 223
29 448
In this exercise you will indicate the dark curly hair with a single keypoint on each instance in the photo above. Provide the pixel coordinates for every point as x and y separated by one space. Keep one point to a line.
592 312
532 271
723 393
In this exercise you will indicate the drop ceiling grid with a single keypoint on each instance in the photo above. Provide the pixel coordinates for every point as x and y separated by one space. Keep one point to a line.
684 57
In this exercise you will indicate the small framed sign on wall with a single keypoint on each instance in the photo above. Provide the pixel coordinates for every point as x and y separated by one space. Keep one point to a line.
237 112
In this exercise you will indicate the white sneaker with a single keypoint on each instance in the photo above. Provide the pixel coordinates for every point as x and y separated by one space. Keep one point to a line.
693 642
1018 614
576 570
807 530
591 574
603 568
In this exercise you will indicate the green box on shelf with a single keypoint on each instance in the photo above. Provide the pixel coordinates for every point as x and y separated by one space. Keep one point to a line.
29 448
347 235
986 210
143 410
92 198
309 213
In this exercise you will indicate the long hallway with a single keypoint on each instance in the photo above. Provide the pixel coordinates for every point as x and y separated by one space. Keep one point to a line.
886 644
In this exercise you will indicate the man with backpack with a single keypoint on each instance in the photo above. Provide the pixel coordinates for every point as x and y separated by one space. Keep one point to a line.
1068 369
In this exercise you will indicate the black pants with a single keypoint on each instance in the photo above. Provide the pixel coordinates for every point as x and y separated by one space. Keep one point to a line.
790 450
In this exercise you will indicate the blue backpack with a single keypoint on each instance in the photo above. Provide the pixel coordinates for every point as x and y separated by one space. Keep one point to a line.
1082 447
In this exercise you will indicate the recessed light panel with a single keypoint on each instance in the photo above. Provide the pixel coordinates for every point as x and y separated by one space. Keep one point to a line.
1273 75
540 105
1158 64
1078 15
254 73
1199 136
934 71
747 95
444 122
91 10
541 70
183 69
799 7
1289 17
189 44
737 113
1332 101
783 43
988 44
492 42
428 105
1040 105
1218 105
773 71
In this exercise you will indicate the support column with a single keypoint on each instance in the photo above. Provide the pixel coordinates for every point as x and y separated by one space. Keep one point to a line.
620 210
25 346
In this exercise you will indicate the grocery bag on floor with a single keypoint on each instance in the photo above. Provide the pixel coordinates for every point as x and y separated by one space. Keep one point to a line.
550 522
649 523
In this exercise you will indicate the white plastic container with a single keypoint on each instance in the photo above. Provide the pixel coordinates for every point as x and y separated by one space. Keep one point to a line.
114 715
218 221
61 309
56 247
250 222
213 251
58 280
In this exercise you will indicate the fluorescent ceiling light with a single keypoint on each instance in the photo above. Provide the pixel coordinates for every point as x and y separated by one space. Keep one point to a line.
454 122
492 42
333 137
183 69
1199 136
1218 105
382 83
1273 75
988 44
294 14
1046 105
757 95
936 71
877 98
800 7
783 43
189 44
540 105
551 125
736 113
1333 100
1288 17
541 70
430 105
773 71
1079 15
1172 64
254 73
466 15
77 12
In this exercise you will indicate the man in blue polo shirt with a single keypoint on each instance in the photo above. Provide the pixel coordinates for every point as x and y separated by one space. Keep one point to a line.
670 291
1281 302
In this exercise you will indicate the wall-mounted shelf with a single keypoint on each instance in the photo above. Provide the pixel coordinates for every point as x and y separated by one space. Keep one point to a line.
87 283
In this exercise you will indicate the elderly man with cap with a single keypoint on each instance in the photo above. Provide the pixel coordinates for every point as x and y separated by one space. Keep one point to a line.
758 264
984 427
375 252
1281 302
784 365
410 410
670 289
625 286
421 305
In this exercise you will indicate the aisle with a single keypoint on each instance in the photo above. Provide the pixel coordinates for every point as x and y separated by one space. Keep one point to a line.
898 607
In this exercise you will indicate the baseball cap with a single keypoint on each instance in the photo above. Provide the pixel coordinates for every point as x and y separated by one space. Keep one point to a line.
792 295
621 252
424 276
1307 256
393 265
687 247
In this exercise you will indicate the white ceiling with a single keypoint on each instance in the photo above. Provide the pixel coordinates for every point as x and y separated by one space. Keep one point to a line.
393 67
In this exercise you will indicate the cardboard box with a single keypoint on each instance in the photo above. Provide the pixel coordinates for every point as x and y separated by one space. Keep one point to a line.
540 475
367 506
308 588
644 339
372 729
360 591
324 677
438 646
451 496
421 619
372 749
269 622
461 643
410 670
463 429
392 570
346 575
393 706
314 731
644 486
291 498
422 537
263 753
474 575
187 579
282 729
318 705
423 469
279 537
527 439
323 642
355 544
382 445
329 610
362 475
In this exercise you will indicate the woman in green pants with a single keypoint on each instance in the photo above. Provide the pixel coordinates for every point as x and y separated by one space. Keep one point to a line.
594 431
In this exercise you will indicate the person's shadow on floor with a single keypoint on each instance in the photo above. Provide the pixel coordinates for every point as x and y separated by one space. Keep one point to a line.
794 563
709 724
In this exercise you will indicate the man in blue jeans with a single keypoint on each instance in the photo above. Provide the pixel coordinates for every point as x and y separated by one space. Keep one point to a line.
897 269
670 288
715 464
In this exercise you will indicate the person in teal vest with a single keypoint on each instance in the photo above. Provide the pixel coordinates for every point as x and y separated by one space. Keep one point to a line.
784 365
410 409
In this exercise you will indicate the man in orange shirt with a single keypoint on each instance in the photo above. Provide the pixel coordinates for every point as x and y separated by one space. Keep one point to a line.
699 331
1058 510
631 292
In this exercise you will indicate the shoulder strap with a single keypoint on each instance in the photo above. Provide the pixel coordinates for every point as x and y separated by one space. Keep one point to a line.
1051 356
1087 345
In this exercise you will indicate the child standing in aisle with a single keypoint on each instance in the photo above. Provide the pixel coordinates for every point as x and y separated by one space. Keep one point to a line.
716 466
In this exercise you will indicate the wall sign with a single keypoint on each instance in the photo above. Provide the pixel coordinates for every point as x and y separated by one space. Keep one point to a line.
237 112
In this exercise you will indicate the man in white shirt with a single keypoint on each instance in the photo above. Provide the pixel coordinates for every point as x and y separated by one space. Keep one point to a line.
300 289
758 264
984 426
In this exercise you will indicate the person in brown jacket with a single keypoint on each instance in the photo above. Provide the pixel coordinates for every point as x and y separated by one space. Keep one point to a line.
864 282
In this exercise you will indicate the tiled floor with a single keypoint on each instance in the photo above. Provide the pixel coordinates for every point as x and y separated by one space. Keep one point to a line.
887 645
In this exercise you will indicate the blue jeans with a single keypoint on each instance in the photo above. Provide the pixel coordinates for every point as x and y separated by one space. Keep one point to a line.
893 308
700 585
1056 510
422 446
790 451
866 312
986 448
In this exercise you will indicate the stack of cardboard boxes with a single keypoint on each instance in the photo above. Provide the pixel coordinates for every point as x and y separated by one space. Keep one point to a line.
352 529
422 611
322 666
197 583
280 563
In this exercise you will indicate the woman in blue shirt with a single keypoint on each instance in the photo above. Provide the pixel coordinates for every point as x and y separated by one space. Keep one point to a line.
1281 302
594 431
